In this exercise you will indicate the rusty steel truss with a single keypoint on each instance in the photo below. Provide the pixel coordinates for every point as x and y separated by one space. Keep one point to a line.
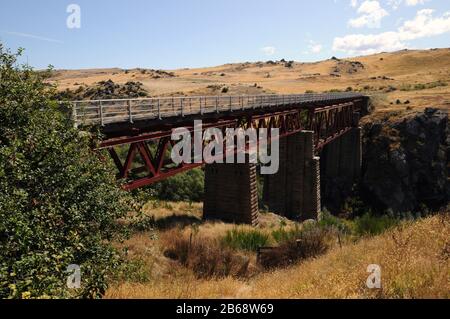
141 151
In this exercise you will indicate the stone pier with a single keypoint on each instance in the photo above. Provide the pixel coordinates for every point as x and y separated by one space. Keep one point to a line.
341 162
302 183
231 193
294 191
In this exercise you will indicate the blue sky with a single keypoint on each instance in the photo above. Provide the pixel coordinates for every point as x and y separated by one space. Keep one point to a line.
192 33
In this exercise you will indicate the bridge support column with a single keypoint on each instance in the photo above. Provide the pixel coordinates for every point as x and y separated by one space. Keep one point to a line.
341 162
231 193
294 191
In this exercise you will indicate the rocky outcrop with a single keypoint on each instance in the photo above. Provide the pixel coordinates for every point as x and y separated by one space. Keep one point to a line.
348 67
105 90
405 163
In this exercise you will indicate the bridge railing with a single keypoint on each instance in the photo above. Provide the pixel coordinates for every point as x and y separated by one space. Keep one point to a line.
103 112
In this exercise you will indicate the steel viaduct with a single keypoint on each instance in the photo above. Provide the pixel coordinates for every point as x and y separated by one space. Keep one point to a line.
319 135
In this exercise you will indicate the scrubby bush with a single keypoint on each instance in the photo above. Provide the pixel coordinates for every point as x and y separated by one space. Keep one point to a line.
328 221
423 86
310 242
205 257
58 202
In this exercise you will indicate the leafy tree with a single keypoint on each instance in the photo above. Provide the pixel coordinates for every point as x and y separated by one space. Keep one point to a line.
188 186
59 202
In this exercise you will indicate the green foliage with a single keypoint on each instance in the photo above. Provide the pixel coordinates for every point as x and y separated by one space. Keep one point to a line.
282 234
142 223
134 270
188 186
373 225
366 224
58 202
249 240
328 221
423 86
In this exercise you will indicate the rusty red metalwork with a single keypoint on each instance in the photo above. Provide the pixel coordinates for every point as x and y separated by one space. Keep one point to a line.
327 121
330 122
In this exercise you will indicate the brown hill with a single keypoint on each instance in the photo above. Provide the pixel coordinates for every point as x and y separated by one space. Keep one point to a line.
403 80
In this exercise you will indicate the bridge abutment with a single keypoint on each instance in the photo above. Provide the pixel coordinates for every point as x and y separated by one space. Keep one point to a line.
231 193
294 191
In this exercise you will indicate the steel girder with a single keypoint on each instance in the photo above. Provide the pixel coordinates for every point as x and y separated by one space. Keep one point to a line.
153 148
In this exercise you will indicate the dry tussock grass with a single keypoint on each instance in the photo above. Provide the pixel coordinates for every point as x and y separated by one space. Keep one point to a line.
206 257
414 259
163 209
310 243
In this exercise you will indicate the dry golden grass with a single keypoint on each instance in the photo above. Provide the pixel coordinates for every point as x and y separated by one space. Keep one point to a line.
414 260
182 214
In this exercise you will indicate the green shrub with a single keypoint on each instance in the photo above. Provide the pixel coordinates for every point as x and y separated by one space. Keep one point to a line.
133 270
373 225
422 86
188 186
282 235
142 223
58 201
249 240
328 221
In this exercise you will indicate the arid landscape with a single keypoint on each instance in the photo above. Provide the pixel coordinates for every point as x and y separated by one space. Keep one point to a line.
224 158
172 253
414 256
400 81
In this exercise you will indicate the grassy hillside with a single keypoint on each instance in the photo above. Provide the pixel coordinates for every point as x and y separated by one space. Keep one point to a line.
414 258
415 78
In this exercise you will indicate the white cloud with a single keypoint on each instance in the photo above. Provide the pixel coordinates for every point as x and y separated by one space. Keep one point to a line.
31 36
314 47
423 25
354 3
410 3
371 14
269 50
